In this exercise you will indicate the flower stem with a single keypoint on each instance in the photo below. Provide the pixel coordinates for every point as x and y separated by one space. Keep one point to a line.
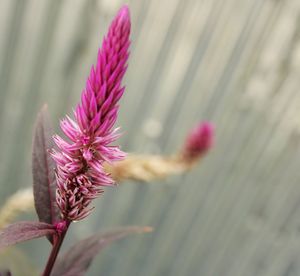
58 240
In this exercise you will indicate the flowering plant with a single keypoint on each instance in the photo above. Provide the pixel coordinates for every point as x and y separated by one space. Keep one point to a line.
70 172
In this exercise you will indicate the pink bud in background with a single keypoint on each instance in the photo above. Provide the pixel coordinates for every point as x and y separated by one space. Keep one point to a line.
80 173
198 141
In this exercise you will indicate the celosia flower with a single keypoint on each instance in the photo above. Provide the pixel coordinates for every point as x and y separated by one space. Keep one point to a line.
198 141
80 174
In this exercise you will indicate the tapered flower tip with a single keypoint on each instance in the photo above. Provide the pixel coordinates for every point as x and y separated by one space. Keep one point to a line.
124 14
199 140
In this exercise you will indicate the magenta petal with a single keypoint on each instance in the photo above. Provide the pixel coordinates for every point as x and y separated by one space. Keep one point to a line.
79 173
199 140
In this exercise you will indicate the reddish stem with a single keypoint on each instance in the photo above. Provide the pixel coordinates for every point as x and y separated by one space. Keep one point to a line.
58 240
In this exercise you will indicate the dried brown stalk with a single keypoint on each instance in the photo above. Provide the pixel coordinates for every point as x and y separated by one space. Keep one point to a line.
134 167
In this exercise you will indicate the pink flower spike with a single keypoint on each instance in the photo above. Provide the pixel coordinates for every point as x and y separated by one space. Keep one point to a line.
79 173
198 141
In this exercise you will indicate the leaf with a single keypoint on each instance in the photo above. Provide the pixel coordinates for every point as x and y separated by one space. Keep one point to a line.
79 257
5 272
44 182
24 231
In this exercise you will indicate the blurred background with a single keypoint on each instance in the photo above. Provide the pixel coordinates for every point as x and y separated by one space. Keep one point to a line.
233 62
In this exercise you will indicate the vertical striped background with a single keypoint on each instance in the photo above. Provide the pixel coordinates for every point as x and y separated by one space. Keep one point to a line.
234 62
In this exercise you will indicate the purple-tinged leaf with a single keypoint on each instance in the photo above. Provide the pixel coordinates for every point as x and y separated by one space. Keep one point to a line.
44 182
24 231
79 257
5 272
